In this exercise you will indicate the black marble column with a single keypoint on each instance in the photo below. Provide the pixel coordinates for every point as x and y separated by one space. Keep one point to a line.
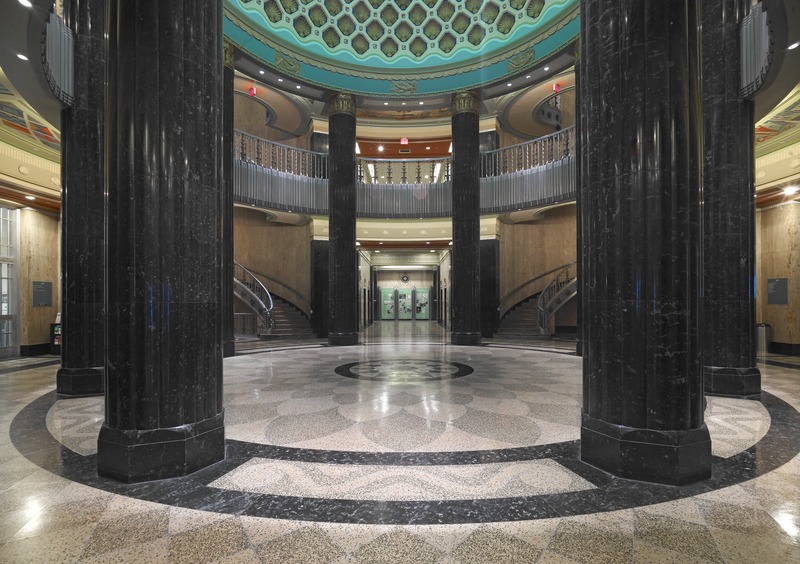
163 405
82 212
228 339
641 207
490 286
729 347
579 217
466 279
343 266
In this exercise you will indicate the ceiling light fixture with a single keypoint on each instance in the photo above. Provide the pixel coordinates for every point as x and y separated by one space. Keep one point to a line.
21 56
280 80
30 198
403 104
298 87
509 84
528 77
794 45
375 251
546 69
261 72
427 148
422 103
386 103
433 250
791 190
26 3
380 150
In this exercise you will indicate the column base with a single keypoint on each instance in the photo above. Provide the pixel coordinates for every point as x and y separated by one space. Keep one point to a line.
228 349
131 455
665 457
459 338
742 383
80 381
342 339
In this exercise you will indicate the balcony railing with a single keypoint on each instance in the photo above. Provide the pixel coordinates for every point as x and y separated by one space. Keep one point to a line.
539 172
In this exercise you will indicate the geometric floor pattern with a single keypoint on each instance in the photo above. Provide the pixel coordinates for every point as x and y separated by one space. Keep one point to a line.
410 435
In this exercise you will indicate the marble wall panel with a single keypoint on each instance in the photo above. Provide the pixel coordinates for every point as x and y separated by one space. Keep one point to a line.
778 256
39 261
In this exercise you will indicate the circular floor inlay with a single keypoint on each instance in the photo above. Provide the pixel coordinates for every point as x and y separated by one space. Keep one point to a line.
404 371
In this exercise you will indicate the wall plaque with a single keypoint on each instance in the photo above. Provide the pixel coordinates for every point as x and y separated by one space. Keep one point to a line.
778 291
42 294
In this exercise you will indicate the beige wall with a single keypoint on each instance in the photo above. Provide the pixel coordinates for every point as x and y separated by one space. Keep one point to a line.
282 252
251 117
531 249
416 279
39 252
778 256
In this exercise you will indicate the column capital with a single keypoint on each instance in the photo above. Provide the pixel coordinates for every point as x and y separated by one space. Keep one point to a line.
465 102
227 53
342 103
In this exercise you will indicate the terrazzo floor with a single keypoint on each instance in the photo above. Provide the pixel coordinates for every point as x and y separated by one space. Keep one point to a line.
400 449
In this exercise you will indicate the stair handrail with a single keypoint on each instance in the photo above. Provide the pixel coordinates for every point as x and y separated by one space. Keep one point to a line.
564 277
303 300
504 299
246 277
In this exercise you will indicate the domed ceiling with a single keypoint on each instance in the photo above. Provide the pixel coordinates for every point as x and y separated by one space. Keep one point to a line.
401 48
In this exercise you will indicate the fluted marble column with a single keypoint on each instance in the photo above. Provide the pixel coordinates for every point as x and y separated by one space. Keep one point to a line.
343 267
82 200
729 210
163 408
641 205
466 296
228 339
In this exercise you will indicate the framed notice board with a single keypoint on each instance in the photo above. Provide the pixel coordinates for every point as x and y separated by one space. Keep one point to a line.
778 291
42 294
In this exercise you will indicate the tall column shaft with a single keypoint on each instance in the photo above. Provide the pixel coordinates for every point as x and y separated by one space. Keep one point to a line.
163 405
82 213
466 268
729 209
228 339
343 266
641 206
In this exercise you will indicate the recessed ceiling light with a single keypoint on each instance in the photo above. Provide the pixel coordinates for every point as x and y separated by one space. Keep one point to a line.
433 250
375 251
358 244
386 103
30 198
21 56
380 148
26 3
528 77
381 243
261 72
791 190
403 104
421 103
546 69
280 80
298 87
509 84
794 45
427 242
427 148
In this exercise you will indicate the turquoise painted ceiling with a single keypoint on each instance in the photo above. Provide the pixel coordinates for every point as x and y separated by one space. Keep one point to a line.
394 47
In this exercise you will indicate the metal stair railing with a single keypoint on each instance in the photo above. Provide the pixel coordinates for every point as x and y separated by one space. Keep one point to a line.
565 278
249 289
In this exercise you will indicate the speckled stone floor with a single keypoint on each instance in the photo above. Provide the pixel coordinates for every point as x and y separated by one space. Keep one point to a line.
401 449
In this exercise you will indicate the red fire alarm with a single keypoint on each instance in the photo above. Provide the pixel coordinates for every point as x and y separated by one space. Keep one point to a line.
252 91
556 87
